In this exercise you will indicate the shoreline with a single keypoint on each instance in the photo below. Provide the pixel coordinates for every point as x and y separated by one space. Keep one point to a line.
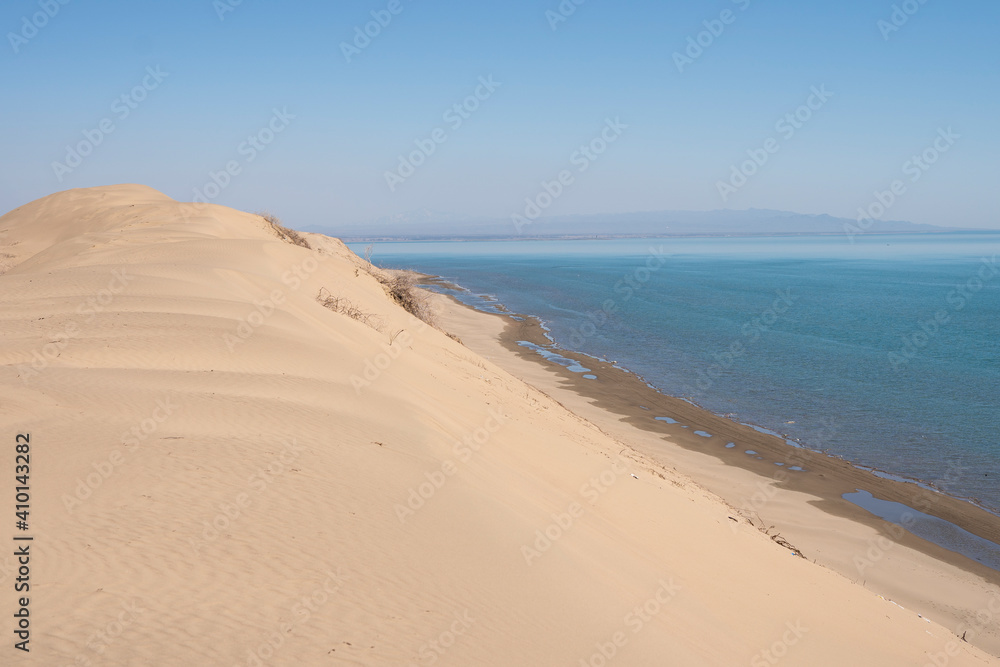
846 476
529 328
619 395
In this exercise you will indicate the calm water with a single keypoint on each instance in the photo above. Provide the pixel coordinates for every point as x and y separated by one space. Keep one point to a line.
885 351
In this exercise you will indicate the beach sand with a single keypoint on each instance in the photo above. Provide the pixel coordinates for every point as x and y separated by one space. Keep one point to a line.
226 472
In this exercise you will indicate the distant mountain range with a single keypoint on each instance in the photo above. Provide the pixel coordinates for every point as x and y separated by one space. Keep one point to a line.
428 225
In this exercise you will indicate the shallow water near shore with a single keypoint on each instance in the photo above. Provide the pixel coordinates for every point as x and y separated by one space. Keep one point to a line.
884 352
930 528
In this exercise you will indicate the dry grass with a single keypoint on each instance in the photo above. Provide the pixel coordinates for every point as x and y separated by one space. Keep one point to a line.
777 538
341 305
284 233
404 291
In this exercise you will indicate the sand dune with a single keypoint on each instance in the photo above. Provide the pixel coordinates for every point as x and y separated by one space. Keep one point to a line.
225 472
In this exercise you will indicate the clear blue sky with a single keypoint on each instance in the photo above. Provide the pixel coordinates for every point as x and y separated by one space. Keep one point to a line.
686 130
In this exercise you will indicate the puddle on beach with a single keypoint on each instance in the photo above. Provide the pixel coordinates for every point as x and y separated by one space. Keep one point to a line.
549 355
942 533
767 431
575 367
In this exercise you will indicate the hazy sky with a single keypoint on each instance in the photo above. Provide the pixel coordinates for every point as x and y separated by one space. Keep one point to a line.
168 93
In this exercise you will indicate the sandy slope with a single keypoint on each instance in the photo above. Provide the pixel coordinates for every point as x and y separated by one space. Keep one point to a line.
210 487
941 585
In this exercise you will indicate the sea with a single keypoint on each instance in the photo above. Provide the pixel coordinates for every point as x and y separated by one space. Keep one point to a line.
880 349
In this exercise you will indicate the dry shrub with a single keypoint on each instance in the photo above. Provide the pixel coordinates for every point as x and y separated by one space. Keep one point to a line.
284 233
341 305
404 291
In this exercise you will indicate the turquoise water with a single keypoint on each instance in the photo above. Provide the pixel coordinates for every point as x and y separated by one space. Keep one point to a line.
884 351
